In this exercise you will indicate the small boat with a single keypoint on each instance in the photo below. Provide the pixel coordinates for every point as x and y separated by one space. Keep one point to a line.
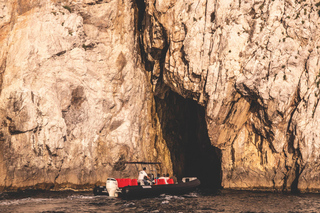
134 192
129 189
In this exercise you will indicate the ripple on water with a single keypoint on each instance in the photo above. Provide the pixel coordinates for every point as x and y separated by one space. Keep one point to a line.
222 202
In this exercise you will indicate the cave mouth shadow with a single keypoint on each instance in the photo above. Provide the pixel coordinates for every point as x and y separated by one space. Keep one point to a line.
185 131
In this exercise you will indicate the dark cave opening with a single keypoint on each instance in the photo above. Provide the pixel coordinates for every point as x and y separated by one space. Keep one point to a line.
182 122
185 131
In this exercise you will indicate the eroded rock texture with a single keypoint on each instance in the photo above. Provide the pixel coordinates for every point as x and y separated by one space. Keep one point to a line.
88 84
254 65
75 101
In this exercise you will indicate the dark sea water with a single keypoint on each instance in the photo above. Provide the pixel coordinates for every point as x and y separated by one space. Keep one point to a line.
223 201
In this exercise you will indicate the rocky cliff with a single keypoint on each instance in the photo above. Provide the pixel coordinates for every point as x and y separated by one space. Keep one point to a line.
230 85
75 99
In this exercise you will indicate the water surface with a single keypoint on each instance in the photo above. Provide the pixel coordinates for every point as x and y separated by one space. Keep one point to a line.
223 201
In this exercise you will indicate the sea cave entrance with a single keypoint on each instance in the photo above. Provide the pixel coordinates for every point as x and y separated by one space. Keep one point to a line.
185 131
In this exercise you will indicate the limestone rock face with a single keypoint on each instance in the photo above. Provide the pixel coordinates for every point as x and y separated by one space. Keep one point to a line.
78 80
254 65
75 101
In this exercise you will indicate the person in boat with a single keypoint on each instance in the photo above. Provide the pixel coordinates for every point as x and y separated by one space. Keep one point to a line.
143 177
157 177
165 177
174 178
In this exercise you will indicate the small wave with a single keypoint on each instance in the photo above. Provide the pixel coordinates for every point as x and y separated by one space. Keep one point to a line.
191 194
9 202
178 197
169 197
72 197
23 201
129 204
165 202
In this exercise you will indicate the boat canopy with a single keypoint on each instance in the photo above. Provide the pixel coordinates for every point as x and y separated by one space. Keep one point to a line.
151 166
141 162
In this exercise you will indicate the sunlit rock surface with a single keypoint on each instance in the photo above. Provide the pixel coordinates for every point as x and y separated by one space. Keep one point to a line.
75 100
254 66
78 80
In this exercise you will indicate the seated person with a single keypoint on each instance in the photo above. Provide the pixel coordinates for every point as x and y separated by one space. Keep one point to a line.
142 179
165 177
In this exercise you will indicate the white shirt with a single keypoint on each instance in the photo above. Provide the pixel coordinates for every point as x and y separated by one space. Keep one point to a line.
142 174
